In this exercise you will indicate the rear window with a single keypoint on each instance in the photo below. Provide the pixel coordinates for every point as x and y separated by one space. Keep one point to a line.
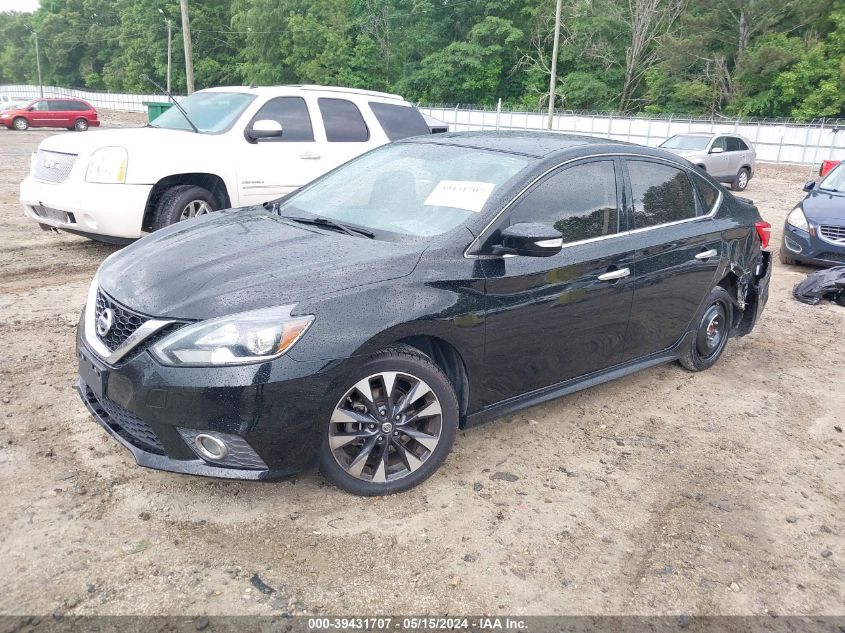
343 121
399 121
662 193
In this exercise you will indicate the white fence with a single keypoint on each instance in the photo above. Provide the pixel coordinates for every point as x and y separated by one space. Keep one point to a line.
775 142
104 100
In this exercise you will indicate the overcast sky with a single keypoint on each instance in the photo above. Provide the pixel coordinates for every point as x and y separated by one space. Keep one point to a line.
18 5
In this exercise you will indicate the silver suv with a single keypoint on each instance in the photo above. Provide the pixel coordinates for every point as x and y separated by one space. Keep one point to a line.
726 157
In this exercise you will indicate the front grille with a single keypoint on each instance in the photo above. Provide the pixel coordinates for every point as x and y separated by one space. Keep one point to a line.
833 233
832 257
52 166
129 426
124 321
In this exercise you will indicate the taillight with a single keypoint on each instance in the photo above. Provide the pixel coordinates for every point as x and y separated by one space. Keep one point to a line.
764 230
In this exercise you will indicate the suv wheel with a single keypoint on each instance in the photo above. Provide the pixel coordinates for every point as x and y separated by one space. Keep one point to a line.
785 259
20 124
81 125
741 181
711 335
393 424
182 202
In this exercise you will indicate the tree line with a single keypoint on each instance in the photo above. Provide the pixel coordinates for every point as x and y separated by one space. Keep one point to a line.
765 58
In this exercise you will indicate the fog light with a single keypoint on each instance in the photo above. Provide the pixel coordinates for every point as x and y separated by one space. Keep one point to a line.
211 447
792 245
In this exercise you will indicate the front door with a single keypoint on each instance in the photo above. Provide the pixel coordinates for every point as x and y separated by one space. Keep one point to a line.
554 318
273 167
718 165
678 254
40 113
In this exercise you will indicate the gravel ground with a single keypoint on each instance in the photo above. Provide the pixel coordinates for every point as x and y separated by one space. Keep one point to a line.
662 493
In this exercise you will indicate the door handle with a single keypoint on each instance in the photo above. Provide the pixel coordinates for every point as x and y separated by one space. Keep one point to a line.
309 156
707 254
613 275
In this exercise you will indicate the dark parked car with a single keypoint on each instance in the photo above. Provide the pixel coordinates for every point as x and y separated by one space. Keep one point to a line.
814 231
73 114
425 286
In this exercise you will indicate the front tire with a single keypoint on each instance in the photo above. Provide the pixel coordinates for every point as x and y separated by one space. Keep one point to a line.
81 125
182 202
785 259
711 332
392 426
740 182
20 124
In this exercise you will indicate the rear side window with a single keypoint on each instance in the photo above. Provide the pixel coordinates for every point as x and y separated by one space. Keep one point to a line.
292 114
661 193
343 121
399 121
707 194
77 106
579 201
58 106
736 144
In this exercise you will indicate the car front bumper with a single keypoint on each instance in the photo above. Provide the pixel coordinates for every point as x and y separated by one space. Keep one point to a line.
94 209
810 248
268 414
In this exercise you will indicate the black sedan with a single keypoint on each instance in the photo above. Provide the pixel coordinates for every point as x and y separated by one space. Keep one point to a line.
426 286
814 231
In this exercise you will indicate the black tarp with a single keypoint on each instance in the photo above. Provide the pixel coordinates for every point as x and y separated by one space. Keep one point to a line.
823 284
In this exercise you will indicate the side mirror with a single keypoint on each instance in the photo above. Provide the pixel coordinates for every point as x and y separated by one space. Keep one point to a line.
530 239
265 128
717 150
30 108
809 186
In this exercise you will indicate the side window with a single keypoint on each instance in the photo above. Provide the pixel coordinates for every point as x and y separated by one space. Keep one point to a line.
578 201
707 194
343 121
399 121
60 106
733 144
292 114
720 142
41 106
77 106
743 146
661 193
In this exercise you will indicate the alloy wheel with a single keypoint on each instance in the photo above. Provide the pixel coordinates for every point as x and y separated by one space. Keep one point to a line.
742 179
385 427
21 124
195 208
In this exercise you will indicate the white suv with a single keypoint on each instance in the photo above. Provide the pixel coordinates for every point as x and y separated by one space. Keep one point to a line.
242 146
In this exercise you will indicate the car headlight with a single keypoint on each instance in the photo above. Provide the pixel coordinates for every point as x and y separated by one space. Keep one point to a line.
238 339
797 219
107 165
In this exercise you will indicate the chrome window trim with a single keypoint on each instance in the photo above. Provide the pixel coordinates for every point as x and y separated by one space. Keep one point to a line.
713 210
146 330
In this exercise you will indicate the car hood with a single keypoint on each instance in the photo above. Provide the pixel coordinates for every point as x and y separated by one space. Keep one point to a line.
824 206
685 153
244 259
130 138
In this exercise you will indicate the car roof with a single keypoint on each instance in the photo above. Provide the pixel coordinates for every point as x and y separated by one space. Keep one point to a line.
527 143
294 88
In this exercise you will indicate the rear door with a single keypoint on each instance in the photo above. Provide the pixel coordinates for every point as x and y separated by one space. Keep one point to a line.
678 252
60 113
348 133
554 318
273 167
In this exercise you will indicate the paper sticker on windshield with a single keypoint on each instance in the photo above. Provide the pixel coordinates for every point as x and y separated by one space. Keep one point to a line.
460 194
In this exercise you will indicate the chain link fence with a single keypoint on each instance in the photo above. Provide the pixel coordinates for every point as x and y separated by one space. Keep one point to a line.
776 141
122 102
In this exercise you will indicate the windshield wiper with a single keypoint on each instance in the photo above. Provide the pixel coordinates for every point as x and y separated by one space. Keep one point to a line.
176 103
327 222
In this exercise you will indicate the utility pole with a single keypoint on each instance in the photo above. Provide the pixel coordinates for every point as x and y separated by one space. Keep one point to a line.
169 46
553 77
189 55
37 62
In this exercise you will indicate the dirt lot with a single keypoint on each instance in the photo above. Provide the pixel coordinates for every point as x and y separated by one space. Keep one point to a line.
665 492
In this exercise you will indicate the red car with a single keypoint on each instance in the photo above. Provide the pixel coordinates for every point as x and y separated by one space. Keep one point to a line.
73 114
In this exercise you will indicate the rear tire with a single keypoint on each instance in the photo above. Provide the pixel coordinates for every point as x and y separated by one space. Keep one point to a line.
81 125
182 202
396 437
711 332
20 124
740 182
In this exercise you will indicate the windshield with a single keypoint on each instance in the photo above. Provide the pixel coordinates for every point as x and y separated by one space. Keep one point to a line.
685 141
835 180
416 189
210 111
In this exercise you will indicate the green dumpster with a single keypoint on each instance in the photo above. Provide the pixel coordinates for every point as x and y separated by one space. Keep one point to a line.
156 109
